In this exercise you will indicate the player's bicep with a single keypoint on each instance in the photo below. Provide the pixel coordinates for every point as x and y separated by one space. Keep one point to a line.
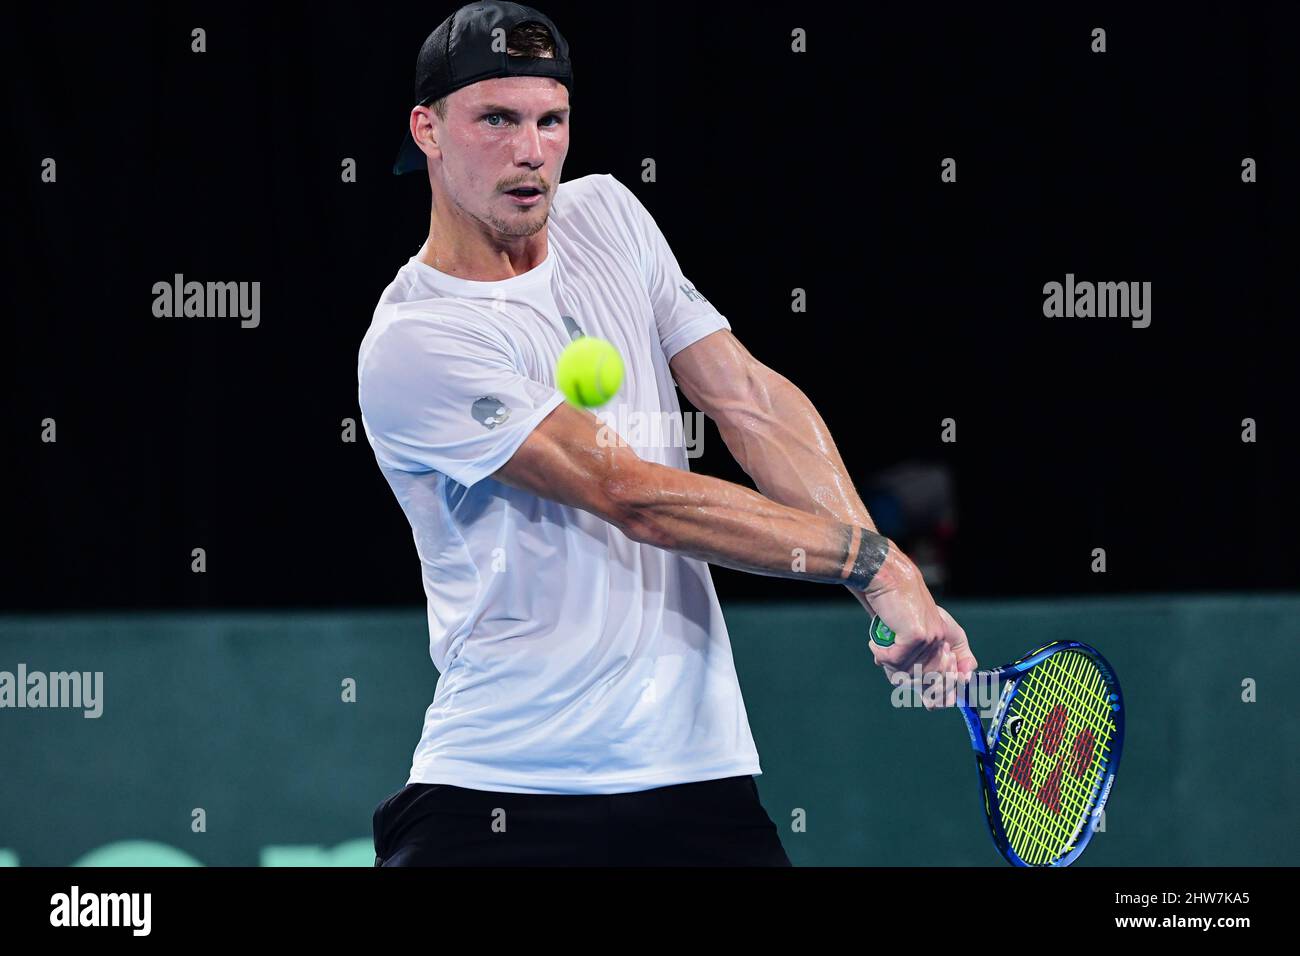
573 458
719 376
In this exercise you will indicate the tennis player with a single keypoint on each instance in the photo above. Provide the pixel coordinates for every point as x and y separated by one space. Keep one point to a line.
587 709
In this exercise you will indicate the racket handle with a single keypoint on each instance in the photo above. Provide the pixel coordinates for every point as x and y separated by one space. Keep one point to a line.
881 633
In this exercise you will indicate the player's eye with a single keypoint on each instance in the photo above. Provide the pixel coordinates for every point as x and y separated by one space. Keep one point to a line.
492 120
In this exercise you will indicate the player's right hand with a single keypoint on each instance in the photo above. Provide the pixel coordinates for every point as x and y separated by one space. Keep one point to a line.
926 635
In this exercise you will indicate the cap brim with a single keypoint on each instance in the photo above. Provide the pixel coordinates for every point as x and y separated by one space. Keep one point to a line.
410 158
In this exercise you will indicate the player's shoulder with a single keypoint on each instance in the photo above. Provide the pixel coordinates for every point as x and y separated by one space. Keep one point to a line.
411 298
410 315
593 191
590 186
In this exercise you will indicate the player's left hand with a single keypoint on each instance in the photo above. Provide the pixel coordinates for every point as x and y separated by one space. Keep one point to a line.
936 650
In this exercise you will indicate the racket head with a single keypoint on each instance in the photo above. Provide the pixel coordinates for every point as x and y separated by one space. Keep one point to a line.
1048 762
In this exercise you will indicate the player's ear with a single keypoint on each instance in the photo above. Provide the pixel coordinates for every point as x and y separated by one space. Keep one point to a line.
424 127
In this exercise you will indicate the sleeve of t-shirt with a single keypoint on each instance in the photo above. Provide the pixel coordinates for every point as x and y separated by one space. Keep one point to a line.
443 393
682 314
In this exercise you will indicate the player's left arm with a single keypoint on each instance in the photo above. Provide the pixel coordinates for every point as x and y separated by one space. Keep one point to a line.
770 427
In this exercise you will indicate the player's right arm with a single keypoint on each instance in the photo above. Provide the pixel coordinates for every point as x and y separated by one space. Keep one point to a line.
570 457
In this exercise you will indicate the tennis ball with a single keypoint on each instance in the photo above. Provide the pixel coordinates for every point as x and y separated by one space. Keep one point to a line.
589 372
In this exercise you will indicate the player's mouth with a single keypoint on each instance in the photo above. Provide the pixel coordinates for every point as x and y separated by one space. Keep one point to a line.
526 195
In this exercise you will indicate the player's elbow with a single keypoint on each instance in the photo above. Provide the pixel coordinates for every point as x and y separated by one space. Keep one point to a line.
631 497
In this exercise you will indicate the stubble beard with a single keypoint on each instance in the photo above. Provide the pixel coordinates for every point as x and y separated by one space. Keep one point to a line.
528 223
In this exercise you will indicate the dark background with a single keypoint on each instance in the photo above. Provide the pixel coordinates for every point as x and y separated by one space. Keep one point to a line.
775 171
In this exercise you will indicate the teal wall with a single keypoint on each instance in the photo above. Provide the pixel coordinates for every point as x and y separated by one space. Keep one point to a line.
240 714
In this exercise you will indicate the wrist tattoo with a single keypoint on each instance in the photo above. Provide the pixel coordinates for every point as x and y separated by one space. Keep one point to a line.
873 549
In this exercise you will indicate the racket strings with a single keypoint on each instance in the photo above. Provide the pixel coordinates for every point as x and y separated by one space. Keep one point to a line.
1049 809
1046 810
1067 696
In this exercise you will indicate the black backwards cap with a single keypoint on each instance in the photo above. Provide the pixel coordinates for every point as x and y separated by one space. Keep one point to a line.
460 52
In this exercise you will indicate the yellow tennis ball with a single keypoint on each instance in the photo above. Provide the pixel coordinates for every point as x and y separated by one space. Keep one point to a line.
589 372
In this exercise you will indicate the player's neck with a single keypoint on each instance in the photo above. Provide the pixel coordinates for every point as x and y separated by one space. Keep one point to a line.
471 254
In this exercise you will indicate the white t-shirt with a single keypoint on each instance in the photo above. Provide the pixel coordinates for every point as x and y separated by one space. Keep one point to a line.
572 659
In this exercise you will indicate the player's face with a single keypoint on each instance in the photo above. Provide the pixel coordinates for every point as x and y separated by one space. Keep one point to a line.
504 134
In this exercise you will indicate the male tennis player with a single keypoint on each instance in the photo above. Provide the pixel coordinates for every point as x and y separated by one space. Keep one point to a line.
587 709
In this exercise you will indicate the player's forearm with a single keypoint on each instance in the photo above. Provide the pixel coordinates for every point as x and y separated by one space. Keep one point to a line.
781 441
727 524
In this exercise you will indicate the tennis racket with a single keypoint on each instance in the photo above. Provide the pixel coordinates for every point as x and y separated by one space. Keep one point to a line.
1048 761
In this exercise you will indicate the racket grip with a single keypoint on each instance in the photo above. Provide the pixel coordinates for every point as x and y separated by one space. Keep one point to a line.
881 633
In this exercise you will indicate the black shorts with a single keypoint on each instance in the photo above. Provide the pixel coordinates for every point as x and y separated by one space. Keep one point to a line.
708 823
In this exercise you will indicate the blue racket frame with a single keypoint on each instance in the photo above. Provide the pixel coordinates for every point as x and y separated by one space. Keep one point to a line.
984 747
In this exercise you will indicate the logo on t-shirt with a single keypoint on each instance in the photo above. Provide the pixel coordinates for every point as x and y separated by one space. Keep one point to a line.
489 412
572 327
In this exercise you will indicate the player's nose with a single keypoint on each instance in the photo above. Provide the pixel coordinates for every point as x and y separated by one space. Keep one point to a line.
528 147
